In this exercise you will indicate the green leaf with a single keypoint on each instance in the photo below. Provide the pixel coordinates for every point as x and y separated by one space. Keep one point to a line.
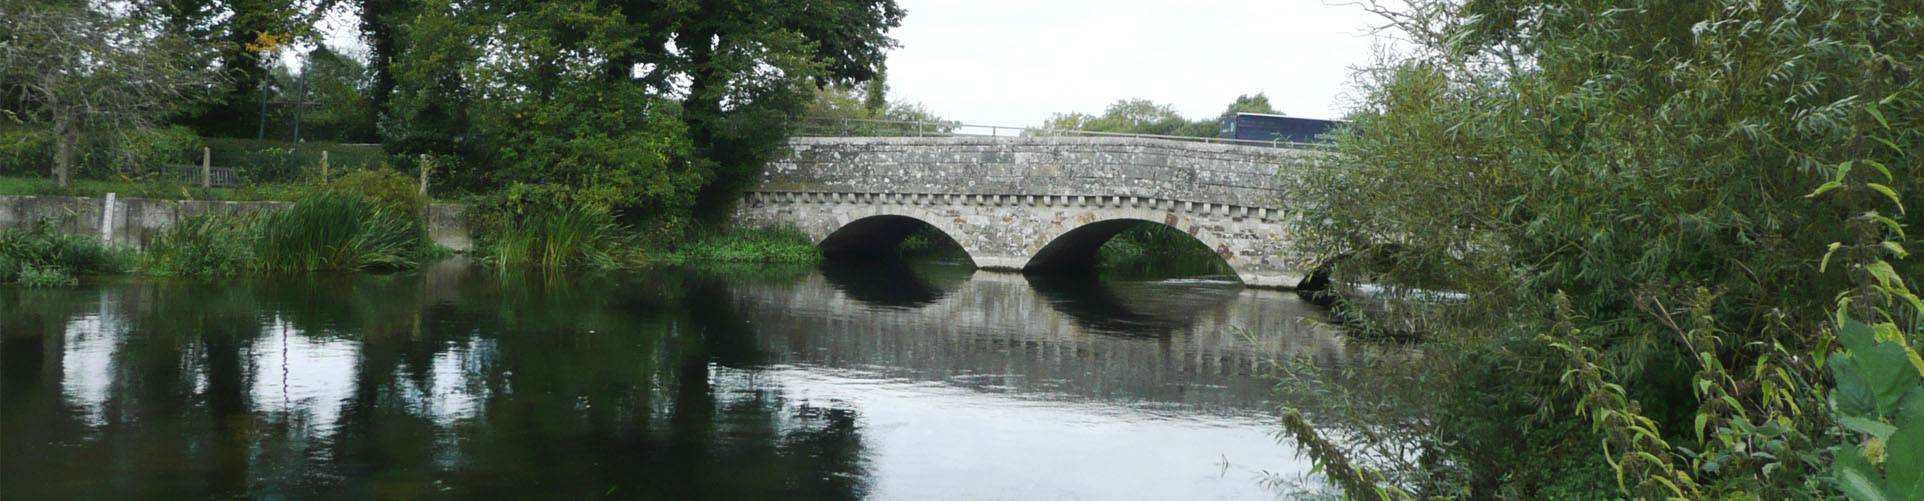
1888 193
1891 223
1895 248
1866 425
1853 396
1821 265
1904 463
1884 273
1911 412
1855 476
1881 168
1885 367
1843 169
1888 142
1827 186
1879 115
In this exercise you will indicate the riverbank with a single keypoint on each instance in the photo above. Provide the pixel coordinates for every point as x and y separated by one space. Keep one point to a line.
48 241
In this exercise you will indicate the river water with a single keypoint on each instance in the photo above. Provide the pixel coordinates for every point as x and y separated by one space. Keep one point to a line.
879 381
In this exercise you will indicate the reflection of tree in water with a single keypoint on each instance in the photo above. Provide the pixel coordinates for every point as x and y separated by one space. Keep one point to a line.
489 384
1102 306
892 282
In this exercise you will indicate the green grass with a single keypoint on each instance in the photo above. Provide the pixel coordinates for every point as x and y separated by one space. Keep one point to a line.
764 245
160 189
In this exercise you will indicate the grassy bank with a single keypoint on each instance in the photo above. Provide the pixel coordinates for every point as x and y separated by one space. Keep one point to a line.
363 222
160 189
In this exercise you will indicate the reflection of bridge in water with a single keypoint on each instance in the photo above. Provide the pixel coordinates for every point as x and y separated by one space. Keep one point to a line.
1194 344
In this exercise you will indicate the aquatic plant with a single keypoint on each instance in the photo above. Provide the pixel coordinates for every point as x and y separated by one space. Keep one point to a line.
44 276
760 245
39 253
570 236
334 230
202 246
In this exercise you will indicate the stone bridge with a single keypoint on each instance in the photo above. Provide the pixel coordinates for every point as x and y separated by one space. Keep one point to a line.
1029 203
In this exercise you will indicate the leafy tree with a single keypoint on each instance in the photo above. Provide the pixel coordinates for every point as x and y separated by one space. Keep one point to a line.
1142 116
716 79
89 71
1258 103
337 92
1624 192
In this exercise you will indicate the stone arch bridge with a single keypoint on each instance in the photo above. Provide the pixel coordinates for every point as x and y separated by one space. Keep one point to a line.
1028 203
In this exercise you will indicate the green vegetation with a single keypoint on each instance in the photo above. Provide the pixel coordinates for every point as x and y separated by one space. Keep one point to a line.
159 189
765 245
42 257
569 236
1142 116
1156 251
335 230
1679 224
202 246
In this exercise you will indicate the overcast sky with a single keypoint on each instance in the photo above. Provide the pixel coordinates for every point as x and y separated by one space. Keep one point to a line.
1014 62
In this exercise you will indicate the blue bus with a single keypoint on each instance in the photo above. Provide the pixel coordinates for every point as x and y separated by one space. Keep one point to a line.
1267 127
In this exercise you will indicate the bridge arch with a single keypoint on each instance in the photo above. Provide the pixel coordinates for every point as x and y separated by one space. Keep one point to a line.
877 233
1077 247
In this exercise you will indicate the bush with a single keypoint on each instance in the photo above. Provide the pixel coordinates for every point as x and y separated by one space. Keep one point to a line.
38 253
25 151
45 276
391 189
202 246
334 230
142 153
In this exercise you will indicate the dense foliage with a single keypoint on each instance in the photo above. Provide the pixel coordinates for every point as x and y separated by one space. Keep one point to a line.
657 112
1663 215
44 257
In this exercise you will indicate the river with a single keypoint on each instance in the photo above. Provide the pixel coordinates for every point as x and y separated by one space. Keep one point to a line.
851 381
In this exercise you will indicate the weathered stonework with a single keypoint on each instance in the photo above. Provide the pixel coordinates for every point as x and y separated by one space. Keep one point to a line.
1011 201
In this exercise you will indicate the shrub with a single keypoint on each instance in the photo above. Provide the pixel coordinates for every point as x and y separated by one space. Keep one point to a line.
334 230
389 188
39 252
45 276
202 246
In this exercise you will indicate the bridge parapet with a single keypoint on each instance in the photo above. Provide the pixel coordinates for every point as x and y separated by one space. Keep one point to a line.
1236 175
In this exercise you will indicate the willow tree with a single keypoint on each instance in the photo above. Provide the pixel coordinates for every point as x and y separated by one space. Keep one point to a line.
87 70
1617 179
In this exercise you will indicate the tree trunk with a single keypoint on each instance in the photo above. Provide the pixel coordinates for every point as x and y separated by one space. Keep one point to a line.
64 138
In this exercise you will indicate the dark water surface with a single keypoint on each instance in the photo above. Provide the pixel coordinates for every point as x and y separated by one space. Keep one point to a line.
854 381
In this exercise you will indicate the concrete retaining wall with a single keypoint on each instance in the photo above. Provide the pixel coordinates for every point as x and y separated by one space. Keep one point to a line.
134 221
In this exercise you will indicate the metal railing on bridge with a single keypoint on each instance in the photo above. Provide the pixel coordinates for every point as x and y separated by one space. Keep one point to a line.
844 127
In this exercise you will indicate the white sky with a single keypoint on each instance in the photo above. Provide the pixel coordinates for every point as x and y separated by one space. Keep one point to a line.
1014 62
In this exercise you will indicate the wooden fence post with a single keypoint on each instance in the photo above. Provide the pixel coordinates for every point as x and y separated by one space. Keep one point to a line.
206 167
323 166
426 164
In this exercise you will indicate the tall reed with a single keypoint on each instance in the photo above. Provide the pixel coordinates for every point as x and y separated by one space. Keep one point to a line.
333 230
203 246
573 236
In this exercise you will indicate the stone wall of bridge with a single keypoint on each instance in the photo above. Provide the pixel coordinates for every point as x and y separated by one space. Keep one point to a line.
1016 203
